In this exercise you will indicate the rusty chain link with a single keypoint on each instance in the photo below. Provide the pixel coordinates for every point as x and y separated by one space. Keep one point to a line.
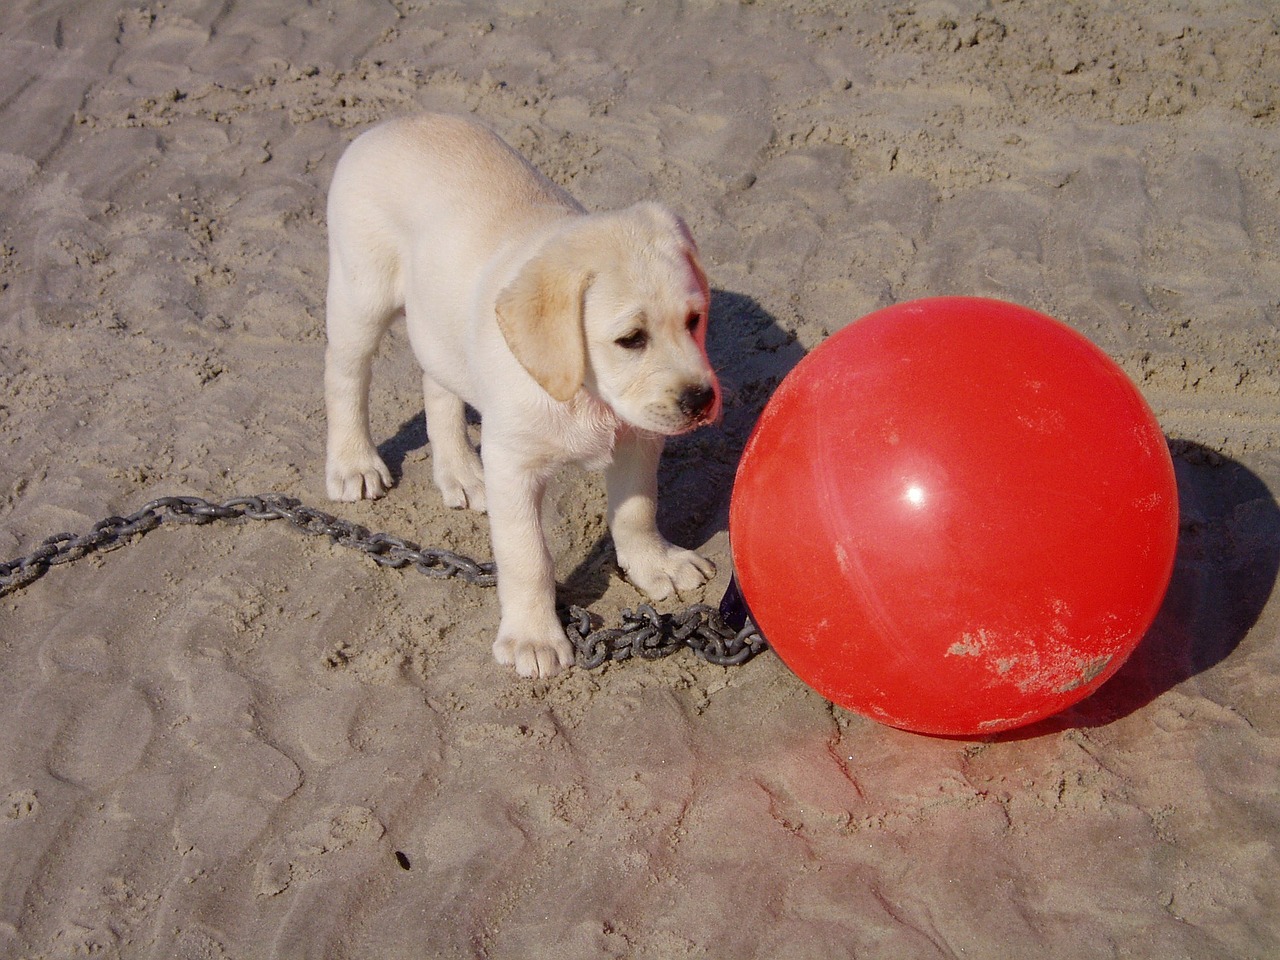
644 633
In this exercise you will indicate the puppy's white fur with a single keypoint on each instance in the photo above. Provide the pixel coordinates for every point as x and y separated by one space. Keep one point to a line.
578 338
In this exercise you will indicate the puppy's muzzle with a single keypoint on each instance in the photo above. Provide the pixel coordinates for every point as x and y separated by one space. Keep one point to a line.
697 403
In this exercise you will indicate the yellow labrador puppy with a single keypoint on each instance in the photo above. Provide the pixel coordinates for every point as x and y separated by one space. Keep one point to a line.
579 338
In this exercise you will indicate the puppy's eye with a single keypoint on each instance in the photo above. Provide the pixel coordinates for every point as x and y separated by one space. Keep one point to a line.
694 321
635 340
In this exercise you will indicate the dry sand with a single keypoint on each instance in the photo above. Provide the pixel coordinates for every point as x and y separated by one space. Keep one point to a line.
236 742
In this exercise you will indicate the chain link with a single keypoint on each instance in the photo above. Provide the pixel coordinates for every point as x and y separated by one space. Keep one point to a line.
643 633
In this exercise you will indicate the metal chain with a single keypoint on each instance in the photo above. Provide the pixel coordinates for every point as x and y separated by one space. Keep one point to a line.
644 633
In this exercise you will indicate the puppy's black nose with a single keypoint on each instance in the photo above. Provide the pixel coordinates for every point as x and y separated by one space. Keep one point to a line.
696 401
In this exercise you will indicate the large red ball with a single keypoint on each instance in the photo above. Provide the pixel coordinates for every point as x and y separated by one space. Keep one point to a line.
955 516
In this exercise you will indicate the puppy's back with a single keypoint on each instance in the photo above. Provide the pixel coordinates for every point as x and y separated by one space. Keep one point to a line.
435 169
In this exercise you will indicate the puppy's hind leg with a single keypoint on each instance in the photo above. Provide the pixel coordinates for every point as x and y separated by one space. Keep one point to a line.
355 323
455 465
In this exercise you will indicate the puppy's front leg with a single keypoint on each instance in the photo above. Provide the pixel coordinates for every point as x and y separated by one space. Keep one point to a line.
530 636
649 561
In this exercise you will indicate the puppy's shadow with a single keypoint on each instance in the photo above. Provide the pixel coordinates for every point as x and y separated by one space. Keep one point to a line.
751 353
1225 569
411 436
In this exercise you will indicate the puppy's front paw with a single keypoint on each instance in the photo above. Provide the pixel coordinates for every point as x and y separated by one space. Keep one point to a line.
534 656
666 569
357 478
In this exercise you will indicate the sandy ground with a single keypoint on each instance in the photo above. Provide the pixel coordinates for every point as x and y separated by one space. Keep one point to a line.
237 742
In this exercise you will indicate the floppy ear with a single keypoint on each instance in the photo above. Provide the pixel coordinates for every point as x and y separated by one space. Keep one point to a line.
540 316
691 254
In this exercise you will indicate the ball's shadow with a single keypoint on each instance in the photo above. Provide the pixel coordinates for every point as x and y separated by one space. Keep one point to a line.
1225 569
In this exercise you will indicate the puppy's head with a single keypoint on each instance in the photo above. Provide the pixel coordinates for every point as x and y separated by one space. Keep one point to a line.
617 304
